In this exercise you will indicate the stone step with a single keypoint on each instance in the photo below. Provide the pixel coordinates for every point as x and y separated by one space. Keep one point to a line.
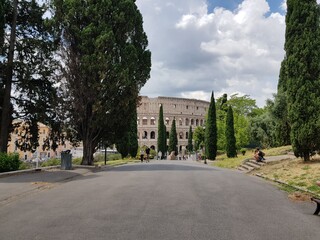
254 165
242 169
249 168
258 163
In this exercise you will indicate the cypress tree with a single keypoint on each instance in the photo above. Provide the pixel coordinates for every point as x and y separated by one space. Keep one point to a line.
302 81
190 145
211 131
161 132
230 137
165 141
173 140
133 139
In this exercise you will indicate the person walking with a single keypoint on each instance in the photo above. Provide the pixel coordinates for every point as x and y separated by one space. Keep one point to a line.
141 155
148 155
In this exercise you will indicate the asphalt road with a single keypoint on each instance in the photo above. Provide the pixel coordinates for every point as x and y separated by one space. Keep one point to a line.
159 200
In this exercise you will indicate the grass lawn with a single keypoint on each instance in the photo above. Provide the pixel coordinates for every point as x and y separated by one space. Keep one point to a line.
225 162
294 172
118 162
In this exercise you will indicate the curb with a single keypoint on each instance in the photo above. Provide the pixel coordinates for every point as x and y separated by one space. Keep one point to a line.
287 184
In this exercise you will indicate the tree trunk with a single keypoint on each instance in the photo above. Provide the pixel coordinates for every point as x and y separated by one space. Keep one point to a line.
87 158
5 118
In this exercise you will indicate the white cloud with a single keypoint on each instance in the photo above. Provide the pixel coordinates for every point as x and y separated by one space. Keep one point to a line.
195 52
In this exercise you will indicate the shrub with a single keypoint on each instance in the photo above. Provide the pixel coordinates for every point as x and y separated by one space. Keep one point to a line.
9 162
25 165
243 151
76 161
51 162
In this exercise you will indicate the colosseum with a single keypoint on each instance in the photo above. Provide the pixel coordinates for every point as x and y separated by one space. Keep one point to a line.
187 112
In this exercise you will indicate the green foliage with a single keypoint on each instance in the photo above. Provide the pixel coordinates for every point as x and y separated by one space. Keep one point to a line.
243 151
190 145
173 139
198 136
31 72
303 75
133 138
51 162
110 157
243 105
76 161
162 138
211 131
230 135
105 63
9 162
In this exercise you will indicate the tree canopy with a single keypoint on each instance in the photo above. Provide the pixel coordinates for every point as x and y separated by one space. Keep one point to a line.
105 63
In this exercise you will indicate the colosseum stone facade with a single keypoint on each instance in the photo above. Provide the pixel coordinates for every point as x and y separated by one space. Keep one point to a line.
187 112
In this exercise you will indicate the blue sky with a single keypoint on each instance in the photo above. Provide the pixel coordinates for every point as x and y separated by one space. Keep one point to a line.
225 46
233 4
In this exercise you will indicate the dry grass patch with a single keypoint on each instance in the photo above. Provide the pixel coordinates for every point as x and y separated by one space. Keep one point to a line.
294 172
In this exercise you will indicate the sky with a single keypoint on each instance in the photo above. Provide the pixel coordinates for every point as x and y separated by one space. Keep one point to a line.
225 46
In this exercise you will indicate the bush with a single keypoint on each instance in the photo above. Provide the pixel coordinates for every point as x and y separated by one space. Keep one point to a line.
100 157
25 165
51 162
243 151
76 161
9 162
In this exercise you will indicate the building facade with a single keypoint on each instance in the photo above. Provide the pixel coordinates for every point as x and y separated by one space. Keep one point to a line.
186 112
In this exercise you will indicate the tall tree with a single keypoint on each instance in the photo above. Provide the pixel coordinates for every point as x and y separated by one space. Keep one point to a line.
303 81
133 138
173 139
190 145
28 65
211 131
165 139
230 135
105 64
161 132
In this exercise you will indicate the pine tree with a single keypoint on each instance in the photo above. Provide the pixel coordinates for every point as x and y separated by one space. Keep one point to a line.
211 131
161 133
230 136
165 141
302 82
190 145
173 140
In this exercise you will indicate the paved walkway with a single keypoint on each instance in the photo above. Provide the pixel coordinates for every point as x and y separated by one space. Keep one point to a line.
16 185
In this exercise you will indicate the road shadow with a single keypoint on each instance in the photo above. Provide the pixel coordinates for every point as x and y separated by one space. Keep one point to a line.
160 167
46 176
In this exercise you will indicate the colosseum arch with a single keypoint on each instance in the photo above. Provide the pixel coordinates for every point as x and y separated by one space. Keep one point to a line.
180 135
187 121
145 135
180 122
192 121
197 122
201 122
167 121
152 135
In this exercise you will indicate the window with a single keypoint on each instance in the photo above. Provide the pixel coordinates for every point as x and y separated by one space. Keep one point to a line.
152 121
187 107
180 135
144 121
201 122
192 122
197 108
180 121
167 121
197 122
187 135
187 121
153 135
145 135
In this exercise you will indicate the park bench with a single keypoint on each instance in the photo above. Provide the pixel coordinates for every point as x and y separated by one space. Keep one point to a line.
317 201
